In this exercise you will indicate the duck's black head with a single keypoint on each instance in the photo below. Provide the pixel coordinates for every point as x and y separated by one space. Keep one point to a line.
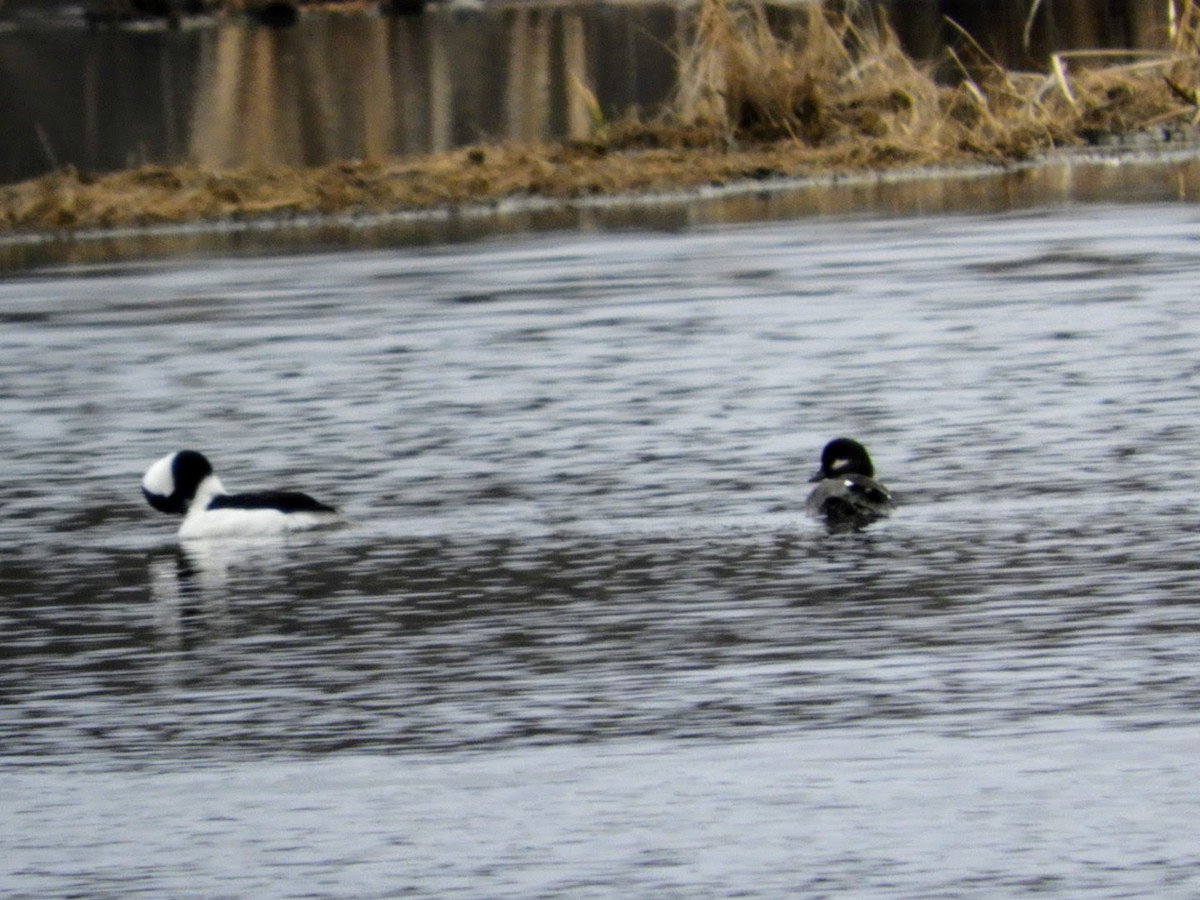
844 456
170 484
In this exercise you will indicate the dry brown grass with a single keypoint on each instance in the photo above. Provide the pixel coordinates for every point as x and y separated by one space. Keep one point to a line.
829 78
841 76
68 200
1083 95
827 94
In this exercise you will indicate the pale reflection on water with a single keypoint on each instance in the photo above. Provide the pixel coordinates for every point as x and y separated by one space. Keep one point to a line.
579 637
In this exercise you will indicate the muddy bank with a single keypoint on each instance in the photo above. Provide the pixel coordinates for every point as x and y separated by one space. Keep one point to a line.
70 201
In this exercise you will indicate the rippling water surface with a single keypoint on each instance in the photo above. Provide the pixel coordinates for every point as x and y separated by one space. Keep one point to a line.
579 637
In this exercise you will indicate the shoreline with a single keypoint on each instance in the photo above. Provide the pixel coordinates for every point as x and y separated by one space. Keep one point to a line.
835 103
514 206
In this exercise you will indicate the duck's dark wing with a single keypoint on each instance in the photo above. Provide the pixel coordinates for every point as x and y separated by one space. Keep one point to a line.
284 501
869 491
849 503
841 514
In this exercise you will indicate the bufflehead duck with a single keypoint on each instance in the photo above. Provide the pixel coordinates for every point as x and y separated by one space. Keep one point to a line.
184 483
847 496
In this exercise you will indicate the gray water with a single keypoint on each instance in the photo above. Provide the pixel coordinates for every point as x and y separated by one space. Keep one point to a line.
578 638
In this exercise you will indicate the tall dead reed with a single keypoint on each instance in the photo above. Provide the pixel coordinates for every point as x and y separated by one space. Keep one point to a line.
819 78
839 77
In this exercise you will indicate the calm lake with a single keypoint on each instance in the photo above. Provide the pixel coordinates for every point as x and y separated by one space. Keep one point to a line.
579 639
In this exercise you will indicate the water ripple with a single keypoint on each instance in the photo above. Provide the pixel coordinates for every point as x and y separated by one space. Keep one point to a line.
575 468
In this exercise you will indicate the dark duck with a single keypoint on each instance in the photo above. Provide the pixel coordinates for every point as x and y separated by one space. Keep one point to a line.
847 497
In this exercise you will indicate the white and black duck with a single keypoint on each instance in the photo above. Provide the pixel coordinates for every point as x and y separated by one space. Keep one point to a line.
184 483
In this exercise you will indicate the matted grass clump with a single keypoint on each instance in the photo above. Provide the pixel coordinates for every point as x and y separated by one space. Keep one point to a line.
840 77
828 79
825 92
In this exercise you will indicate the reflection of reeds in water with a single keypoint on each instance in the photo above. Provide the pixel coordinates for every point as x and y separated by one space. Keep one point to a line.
272 98
540 81
353 89
371 88
243 111
583 110
527 94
